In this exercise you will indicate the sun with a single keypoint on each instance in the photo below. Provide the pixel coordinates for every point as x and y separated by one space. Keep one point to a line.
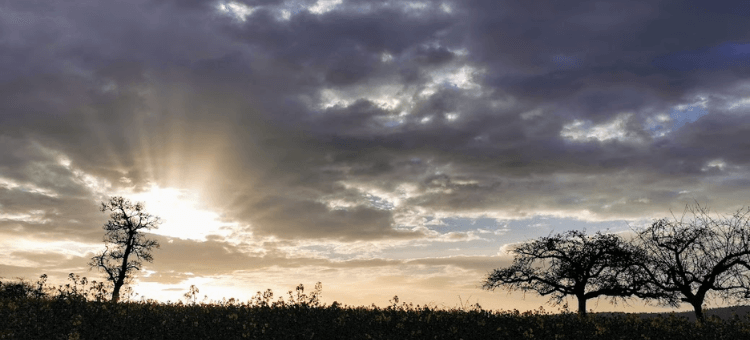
182 214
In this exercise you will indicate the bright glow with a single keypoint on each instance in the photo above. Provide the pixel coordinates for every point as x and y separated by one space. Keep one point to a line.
181 214
175 292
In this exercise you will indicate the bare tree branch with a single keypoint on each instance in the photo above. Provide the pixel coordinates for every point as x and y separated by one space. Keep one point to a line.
689 260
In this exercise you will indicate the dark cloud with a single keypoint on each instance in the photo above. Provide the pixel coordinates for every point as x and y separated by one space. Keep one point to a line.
724 56
272 216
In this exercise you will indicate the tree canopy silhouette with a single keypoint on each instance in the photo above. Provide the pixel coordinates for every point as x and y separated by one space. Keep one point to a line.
690 260
126 245
571 263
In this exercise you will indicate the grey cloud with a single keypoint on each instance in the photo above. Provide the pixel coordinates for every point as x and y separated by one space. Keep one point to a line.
433 55
178 259
177 93
291 218
200 258
50 218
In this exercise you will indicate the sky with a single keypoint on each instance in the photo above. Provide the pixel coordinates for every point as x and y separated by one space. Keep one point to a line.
380 147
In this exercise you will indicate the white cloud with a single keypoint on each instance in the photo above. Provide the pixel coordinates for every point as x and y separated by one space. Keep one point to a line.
740 104
715 164
32 216
584 131
323 6
452 116
238 10
26 187
386 57
387 97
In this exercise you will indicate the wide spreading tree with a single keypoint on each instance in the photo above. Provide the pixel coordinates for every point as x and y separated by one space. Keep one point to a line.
690 260
572 263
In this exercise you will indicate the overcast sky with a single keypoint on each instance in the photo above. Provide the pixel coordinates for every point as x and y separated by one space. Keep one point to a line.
381 147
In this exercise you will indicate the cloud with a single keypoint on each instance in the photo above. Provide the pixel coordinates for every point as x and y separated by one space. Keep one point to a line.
150 115
726 55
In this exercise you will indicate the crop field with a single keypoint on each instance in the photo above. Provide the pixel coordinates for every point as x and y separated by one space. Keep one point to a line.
80 310
55 318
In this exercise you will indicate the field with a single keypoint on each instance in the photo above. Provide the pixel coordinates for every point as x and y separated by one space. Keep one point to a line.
79 310
64 318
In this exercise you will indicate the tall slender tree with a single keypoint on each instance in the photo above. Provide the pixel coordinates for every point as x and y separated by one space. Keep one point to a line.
125 244
690 260
571 263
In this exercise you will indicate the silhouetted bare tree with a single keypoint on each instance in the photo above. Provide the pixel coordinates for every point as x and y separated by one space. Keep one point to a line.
571 263
687 260
126 245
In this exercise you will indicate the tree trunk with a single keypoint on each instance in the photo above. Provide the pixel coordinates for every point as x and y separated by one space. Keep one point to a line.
116 293
581 305
120 281
698 307
123 270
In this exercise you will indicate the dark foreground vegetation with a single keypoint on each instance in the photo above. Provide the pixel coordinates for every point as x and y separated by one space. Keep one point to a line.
73 312
66 319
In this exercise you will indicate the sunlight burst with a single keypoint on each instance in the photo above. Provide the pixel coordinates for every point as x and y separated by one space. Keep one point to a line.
182 214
